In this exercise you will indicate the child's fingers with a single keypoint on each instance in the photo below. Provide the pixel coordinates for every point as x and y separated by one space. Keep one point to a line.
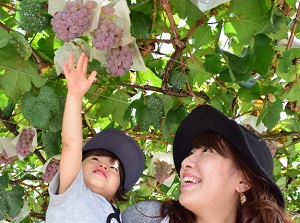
85 65
92 77
80 62
66 68
71 62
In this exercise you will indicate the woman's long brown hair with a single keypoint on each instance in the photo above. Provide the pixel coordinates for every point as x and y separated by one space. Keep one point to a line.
261 205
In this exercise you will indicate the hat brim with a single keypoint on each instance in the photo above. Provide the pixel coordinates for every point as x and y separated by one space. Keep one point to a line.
125 148
250 147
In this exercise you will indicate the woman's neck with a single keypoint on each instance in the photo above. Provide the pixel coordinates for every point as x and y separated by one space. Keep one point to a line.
214 215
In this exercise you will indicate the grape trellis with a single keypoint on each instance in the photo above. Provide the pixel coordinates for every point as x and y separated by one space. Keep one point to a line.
156 60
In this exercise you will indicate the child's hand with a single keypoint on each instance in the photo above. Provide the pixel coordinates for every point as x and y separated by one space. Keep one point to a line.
77 81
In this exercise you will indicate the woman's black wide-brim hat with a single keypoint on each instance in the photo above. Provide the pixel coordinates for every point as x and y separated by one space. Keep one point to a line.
125 148
252 149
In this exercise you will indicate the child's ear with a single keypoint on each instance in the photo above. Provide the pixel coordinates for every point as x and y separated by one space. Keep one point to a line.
243 186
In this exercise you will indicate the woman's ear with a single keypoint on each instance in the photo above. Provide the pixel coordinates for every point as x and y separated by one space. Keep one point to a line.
243 186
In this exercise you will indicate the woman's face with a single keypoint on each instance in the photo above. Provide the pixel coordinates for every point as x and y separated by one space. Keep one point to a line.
209 182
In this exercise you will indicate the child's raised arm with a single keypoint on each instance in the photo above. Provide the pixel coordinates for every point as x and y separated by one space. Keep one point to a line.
78 84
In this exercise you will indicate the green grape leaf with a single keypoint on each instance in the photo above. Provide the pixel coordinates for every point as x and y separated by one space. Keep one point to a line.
153 113
4 181
213 63
140 28
8 110
167 102
3 99
172 121
56 122
270 114
176 80
32 16
279 28
145 190
51 141
49 98
148 77
285 62
196 73
19 74
262 54
292 93
21 44
239 67
249 94
202 36
47 111
5 37
12 200
186 9
116 105
2 210
135 110
4 14
248 18
40 115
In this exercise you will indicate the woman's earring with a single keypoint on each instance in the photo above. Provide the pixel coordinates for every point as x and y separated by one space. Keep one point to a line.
243 198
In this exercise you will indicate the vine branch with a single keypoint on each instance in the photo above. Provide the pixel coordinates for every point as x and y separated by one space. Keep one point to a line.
296 19
169 92
10 126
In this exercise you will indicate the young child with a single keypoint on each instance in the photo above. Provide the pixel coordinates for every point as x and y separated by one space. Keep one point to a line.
91 179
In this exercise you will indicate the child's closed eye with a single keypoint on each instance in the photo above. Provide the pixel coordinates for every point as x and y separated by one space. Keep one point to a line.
95 158
114 168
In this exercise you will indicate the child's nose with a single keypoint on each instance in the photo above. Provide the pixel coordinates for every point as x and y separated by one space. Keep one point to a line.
102 165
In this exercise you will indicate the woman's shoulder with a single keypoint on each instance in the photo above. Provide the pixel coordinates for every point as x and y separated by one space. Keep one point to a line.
144 212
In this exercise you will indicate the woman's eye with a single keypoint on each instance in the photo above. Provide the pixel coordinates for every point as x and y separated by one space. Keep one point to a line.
206 149
191 153
95 158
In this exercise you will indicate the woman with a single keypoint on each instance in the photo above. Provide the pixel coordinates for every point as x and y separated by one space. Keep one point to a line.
226 176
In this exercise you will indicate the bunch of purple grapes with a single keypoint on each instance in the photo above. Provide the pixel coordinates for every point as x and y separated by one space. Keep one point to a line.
108 33
119 60
51 169
4 159
74 20
25 141
162 170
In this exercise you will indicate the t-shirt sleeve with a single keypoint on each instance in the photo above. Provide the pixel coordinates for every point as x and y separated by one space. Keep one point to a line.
72 193
143 212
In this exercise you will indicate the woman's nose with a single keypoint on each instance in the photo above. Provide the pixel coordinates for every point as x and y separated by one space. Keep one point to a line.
187 162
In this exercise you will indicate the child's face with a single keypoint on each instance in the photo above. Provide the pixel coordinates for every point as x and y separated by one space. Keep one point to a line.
102 175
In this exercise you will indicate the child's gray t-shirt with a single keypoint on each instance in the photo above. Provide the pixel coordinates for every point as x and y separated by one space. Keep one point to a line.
79 204
144 212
